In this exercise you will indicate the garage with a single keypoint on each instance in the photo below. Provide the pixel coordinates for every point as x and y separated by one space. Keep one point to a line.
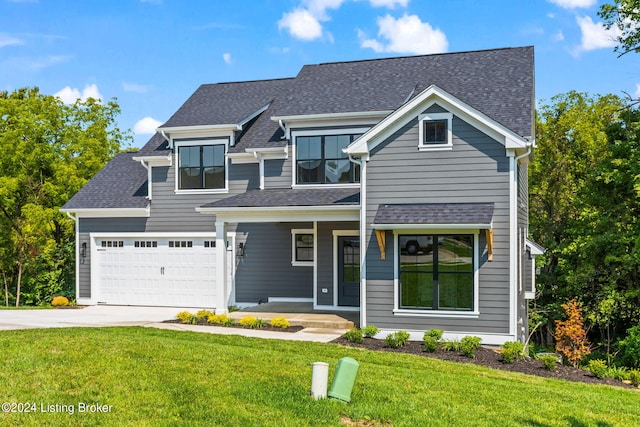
156 270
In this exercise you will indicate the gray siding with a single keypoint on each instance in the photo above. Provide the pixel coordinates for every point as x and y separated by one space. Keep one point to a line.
278 173
475 170
326 258
265 270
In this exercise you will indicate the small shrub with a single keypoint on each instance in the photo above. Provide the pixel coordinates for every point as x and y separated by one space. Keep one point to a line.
451 345
570 334
370 331
247 321
512 351
549 362
187 318
630 348
257 324
233 308
354 335
60 301
396 339
217 319
618 372
203 314
228 322
598 368
434 333
280 322
469 345
430 343
634 377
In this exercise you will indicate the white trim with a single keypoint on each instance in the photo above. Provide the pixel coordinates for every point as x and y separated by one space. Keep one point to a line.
336 234
431 226
437 313
333 116
110 212
242 158
287 299
487 338
535 248
513 242
154 160
319 132
337 308
285 213
254 115
422 118
294 261
197 143
230 127
432 95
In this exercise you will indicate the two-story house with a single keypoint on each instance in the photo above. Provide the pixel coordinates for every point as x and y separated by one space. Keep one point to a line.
396 187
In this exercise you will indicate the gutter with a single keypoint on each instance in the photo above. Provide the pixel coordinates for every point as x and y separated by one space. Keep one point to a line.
362 162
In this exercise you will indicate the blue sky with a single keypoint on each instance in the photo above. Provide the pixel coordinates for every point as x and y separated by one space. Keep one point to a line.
152 54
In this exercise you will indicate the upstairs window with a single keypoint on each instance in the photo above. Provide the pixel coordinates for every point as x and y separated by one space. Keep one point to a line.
201 166
320 160
435 131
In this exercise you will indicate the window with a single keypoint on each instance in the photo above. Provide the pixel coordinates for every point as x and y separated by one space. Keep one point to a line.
180 244
435 131
302 247
436 272
145 244
320 160
201 167
112 243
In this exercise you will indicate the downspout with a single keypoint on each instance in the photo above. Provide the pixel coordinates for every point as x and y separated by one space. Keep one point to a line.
148 168
362 162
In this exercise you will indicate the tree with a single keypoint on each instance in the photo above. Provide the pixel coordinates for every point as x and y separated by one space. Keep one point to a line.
49 150
625 16
570 334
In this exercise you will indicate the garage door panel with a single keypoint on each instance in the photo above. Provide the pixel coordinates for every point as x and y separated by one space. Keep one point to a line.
157 272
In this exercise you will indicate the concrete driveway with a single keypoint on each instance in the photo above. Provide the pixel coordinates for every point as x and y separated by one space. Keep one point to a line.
98 315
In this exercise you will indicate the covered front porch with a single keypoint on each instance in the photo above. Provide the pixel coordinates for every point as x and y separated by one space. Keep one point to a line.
301 314
294 246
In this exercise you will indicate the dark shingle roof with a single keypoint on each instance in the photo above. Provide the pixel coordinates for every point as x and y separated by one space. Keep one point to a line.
156 146
435 213
122 183
226 103
290 197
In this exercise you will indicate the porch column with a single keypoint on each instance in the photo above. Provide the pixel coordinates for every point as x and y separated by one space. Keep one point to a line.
221 268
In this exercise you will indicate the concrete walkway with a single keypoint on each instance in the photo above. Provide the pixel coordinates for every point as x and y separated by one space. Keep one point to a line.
101 315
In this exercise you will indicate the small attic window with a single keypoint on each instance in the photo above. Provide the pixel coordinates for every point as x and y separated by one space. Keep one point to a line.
435 131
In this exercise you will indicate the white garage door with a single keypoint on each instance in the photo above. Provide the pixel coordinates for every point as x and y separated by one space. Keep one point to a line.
156 271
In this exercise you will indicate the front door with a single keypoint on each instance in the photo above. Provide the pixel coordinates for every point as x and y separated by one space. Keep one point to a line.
349 271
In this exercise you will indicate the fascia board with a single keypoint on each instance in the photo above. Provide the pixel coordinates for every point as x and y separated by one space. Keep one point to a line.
430 226
110 212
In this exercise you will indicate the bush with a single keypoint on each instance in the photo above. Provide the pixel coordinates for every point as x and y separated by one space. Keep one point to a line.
396 339
60 301
630 348
203 314
217 319
469 345
451 345
598 368
634 377
247 321
512 351
187 318
354 335
430 343
370 331
228 322
549 361
570 335
280 322
434 333
618 372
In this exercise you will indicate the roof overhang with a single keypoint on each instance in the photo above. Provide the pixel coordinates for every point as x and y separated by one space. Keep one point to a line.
439 216
283 213
534 248
110 212
329 120
435 95
154 160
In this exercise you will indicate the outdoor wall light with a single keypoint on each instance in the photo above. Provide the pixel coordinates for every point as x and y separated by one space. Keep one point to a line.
241 249
83 252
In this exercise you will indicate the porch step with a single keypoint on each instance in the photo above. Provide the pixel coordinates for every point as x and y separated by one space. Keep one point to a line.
308 320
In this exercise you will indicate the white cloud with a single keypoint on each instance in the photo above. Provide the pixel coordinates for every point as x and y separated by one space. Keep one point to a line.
407 34
226 57
573 4
595 35
135 87
69 95
559 36
146 126
391 4
304 21
7 40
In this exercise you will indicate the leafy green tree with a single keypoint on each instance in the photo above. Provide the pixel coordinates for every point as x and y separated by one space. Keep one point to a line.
625 16
49 151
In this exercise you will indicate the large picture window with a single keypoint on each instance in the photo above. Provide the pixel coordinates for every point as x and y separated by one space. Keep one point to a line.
201 167
436 272
320 160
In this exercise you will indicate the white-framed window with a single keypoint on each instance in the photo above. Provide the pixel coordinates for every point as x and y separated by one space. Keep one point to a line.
435 131
302 247
319 160
436 273
201 165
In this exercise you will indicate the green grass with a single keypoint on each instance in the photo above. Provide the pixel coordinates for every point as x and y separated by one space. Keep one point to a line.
159 378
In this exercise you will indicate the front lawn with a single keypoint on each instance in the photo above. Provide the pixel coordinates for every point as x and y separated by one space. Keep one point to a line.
144 376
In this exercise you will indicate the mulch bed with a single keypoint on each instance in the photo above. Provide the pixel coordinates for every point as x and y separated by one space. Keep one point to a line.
266 327
490 358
